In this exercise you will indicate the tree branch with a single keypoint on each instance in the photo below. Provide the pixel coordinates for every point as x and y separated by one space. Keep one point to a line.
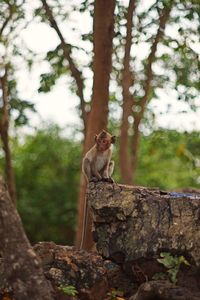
77 75
4 120
4 128
152 56
7 19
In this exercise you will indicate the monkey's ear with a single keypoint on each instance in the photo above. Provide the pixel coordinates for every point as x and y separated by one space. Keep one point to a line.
113 139
95 137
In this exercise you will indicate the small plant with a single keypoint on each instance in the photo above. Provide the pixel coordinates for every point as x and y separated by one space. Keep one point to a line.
172 263
69 290
116 295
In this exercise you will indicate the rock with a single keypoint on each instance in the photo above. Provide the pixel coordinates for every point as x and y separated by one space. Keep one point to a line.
163 290
131 223
88 272
21 276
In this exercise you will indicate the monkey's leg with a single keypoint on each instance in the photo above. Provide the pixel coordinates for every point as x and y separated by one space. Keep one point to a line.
104 172
111 168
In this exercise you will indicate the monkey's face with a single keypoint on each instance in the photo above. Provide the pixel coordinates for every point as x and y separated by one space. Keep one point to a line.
103 144
104 140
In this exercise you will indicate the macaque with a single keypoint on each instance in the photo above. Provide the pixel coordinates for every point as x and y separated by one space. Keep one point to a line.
97 164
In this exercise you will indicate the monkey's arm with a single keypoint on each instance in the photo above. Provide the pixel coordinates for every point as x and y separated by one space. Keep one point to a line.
108 169
90 170
87 169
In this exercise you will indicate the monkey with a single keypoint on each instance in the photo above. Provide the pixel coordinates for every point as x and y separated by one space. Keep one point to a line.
97 164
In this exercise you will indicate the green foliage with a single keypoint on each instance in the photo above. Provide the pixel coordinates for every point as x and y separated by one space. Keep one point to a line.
11 24
169 160
47 168
172 263
176 63
115 294
18 108
69 290
58 68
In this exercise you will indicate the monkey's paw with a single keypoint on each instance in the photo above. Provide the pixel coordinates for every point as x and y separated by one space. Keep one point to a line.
109 179
94 179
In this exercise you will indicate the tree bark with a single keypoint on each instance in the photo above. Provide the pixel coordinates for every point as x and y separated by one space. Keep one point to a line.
4 128
127 82
7 20
21 269
98 117
132 223
135 142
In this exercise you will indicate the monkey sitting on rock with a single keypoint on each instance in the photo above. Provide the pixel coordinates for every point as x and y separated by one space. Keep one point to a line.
97 164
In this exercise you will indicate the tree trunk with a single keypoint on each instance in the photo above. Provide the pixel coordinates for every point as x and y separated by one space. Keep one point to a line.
9 172
164 16
21 269
127 82
135 147
98 117
4 128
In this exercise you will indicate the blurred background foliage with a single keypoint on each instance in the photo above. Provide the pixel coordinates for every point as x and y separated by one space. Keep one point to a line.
47 168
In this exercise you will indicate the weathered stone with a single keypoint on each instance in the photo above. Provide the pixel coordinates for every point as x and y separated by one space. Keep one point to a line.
163 290
88 272
21 275
135 222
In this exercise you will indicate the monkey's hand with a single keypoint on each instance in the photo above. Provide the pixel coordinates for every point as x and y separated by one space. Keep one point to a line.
94 179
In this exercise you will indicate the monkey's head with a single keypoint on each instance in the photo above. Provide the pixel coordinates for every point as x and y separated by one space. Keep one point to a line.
104 140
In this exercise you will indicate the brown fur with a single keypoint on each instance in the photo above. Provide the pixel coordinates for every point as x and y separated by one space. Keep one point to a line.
97 164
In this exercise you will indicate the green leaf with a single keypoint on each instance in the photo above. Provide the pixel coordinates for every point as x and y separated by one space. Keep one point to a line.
183 260
173 274
69 290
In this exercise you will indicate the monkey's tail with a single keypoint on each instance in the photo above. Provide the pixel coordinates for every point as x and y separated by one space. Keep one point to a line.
85 221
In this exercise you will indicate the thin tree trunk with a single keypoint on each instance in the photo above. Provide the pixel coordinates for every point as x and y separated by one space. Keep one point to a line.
127 82
21 268
9 172
7 20
98 117
4 128
147 86
135 146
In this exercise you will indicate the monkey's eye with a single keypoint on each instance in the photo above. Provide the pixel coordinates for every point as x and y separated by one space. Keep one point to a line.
104 141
